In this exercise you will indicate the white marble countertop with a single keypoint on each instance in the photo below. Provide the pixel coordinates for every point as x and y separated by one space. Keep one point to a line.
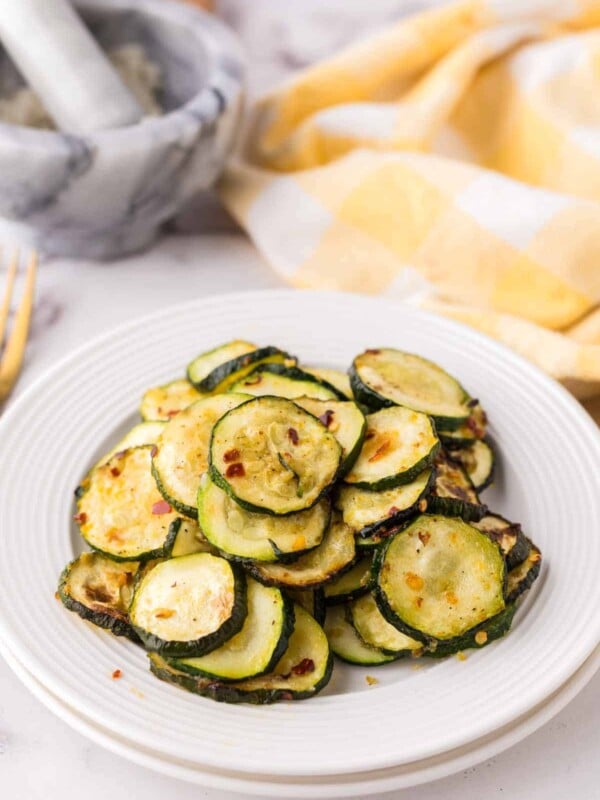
40 756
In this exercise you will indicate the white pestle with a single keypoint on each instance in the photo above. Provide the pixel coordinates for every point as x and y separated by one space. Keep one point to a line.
65 66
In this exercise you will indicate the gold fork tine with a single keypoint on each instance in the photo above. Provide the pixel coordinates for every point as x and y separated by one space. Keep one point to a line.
10 282
12 359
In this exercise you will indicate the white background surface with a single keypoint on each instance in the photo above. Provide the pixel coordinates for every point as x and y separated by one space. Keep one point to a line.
40 757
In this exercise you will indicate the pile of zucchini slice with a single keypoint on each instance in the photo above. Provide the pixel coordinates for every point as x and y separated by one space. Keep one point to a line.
264 516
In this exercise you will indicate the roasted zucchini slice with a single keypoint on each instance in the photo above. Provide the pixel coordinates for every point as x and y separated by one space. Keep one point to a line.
303 670
258 646
351 584
438 578
387 377
453 493
278 380
120 511
100 590
311 600
376 631
141 434
478 462
469 432
399 444
164 402
180 455
242 534
522 577
190 605
335 554
513 543
216 370
368 512
333 377
345 420
346 644
272 456
476 638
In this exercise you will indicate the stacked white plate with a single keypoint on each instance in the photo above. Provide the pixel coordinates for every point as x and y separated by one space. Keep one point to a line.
420 720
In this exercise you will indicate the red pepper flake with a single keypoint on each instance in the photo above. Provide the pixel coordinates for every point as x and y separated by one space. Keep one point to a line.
381 451
424 536
120 454
235 470
287 696
393 510
472 402
80 518
306 665
117 674
154 450
327 417
231 455
162 507
373 351
293 435
172 413
369 435
115 472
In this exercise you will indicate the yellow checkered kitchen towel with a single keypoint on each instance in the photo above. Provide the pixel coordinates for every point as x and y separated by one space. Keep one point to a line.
457 154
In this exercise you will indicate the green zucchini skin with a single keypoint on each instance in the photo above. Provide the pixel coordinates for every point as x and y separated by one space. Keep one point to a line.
523 576
494 628
295 374
513 543
182 508
238 367
280 648
346 643
199 647
353 584
111 619
149 555
465 456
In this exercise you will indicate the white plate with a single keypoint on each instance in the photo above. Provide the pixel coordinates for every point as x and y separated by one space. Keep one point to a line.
358 784
549 480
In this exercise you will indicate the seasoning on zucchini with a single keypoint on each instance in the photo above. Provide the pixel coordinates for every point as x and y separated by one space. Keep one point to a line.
190 605
121 513
342 418
279 380
258 646
180 456
166 401
217 369
351 584
368 512
478 461
453 493
387 377
272 456
347 644
481 635
303 671
438 578
335 554
398 445
522 577
99 590
242 534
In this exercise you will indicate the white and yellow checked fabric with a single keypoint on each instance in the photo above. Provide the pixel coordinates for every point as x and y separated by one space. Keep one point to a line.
457 155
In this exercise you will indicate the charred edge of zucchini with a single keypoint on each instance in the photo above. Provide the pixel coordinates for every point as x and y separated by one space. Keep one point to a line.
115 621
164 551
475 638
289 618
523 576
182 508
465 455
238 367
465 504
297 374
513 543
384 527
254 570
200 647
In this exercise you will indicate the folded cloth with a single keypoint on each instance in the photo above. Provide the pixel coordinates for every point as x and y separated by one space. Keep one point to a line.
455 158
